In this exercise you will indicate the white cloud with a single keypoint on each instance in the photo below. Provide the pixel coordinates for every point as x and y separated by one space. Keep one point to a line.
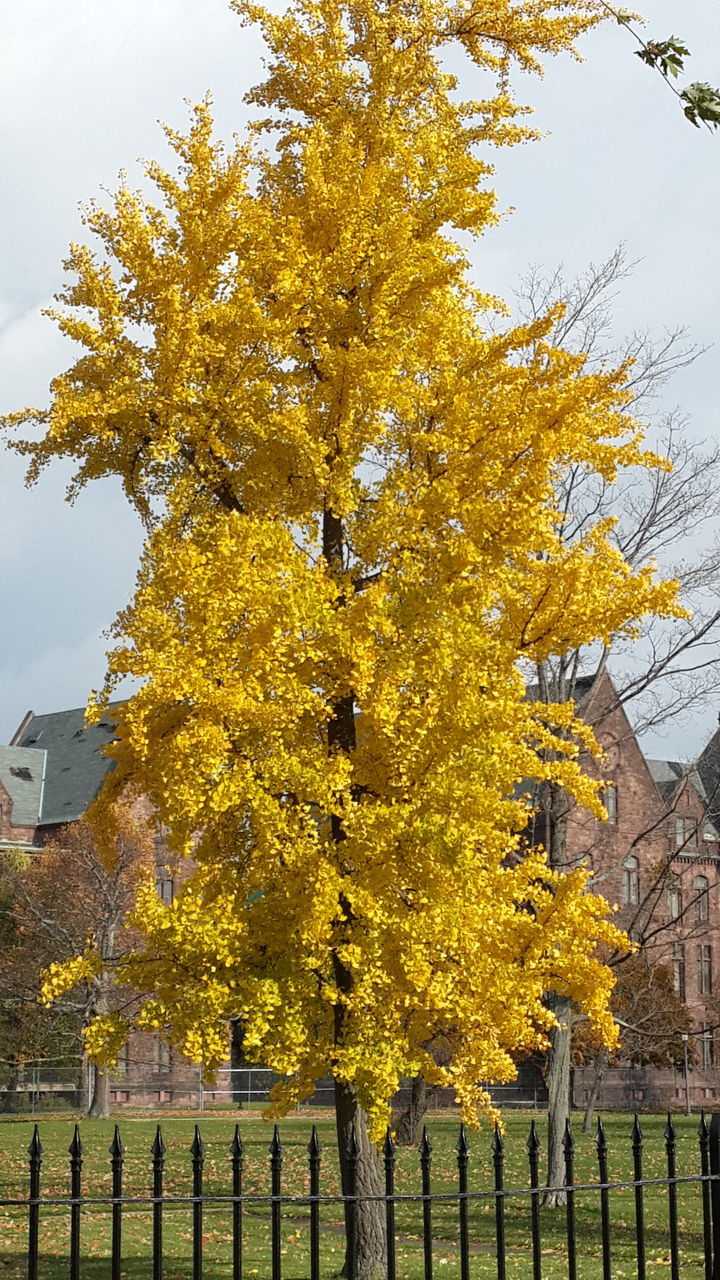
82 85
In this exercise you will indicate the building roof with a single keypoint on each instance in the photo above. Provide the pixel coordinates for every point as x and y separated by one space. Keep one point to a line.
22 774
668 773
708 765
76 766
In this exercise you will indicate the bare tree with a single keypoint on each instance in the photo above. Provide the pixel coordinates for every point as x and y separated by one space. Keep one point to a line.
61 897
666 516
652 1020
661 516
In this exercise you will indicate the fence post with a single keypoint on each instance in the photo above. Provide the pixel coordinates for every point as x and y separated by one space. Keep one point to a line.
117 1152
715 1191
76 1160
35 1153
158 1167
389 1157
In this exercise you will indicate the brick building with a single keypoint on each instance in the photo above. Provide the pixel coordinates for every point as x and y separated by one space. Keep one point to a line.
656 858
52 770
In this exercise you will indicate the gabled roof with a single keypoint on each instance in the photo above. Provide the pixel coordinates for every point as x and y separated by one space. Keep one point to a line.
75 767
22 774
668 773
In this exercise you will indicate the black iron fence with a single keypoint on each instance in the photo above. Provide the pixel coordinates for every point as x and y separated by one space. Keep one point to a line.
315 1212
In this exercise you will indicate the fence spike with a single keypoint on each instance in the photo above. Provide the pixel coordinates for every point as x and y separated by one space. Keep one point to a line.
462 1144
236 1146
314 1147
669 1131
568 1139
388 1145
197 1150
116 1147
35 1149
703 1130
425 1145
276 1144
498 1145
76 1147
637 1133
533 1142
158 1148
600 1138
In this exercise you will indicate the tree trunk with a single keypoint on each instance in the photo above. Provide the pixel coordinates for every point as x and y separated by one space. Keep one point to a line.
99 1104
558 1058
601 1065
85 1083
408 1125
99 1107
558 1084
350 1118
370 1252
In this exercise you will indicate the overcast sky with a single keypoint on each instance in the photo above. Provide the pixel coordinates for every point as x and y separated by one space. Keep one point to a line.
83 84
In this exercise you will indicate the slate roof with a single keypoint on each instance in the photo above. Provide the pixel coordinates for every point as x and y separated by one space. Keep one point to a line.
75 766
708 765
22 774
668 773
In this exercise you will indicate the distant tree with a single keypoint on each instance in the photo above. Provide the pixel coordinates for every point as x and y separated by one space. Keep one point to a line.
665 669
53 903
652 1020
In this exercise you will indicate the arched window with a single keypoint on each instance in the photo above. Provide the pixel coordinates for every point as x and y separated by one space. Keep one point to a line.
631 881
700 891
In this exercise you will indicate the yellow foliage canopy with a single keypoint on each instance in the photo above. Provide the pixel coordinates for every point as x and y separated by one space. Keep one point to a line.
347 476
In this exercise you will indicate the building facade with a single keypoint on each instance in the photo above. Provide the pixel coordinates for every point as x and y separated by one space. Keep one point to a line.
656 860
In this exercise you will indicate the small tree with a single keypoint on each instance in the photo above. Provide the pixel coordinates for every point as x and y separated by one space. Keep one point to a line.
58 900
652 1021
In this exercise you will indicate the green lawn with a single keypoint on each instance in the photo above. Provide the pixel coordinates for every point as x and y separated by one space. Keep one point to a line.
217 1131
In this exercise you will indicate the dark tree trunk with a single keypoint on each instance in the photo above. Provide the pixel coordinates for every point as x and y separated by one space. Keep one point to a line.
408 1126
99 1107
350 1118
370 1252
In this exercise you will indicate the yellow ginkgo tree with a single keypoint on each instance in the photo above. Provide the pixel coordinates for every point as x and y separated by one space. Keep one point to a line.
347 469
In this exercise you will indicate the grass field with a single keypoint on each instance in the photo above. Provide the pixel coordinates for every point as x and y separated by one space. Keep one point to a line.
217 1131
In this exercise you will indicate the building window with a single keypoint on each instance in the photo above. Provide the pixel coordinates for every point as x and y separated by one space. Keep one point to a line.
674 898
707 1048
686 833
678 970
162 1057
610 798
165 889
700 892
631 882
704 969
123 1060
